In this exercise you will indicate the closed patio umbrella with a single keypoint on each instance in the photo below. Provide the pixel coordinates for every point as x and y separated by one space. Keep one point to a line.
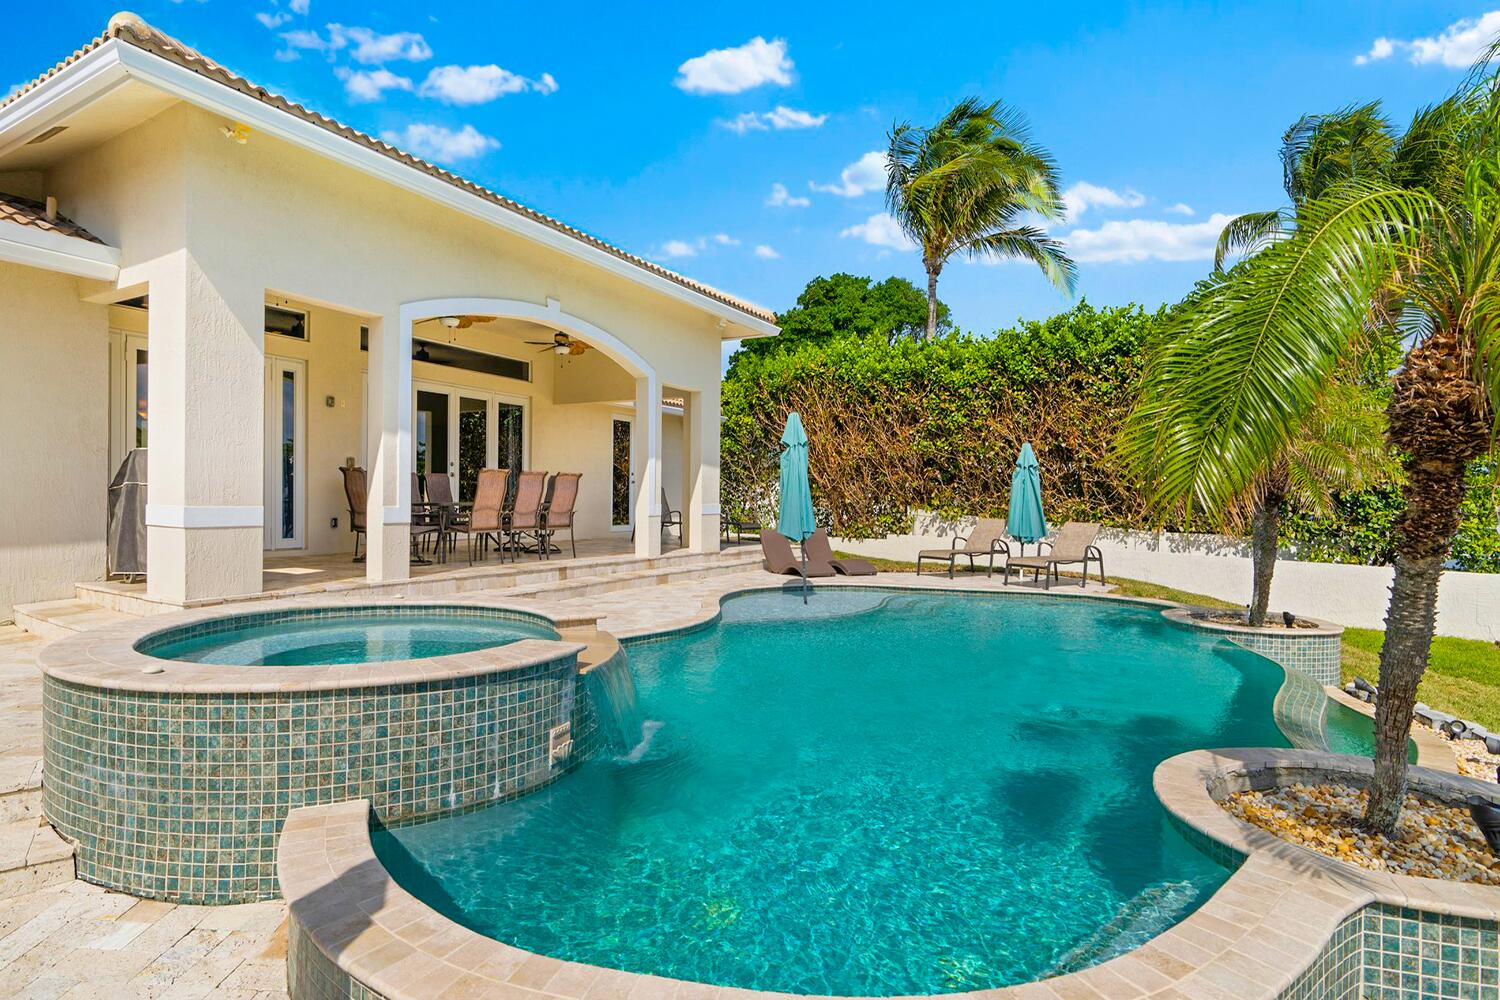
796 516
1026 523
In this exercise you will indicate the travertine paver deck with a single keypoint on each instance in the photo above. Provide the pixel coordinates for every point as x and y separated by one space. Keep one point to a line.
78 941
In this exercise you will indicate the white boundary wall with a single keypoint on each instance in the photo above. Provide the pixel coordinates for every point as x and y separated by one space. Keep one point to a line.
1468 603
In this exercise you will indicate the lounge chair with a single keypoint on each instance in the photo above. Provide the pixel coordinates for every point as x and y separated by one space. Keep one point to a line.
986 541
562 497
781 560
1074 544
357 492
487 515
819 549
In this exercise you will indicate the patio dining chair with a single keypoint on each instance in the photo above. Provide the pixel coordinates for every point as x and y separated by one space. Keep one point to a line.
670 518
486 518
986 541
357 492
562 498
525 517
426 523
454 512
1074 544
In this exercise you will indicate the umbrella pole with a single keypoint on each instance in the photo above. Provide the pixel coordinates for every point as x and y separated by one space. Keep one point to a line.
804 571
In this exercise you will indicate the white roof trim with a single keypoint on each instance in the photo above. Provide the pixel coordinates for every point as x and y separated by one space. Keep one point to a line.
56 252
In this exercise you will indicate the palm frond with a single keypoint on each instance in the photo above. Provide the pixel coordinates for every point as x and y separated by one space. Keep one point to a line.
1245 234
1032 244
1246 356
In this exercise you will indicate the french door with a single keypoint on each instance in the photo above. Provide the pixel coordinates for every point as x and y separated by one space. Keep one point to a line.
622 476
459 431
286 453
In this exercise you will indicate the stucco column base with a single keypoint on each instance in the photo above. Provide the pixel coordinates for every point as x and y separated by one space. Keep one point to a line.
706 538
388 559
648 537
217 563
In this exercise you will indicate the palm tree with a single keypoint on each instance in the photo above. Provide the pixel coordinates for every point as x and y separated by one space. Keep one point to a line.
968 185
1414 253
1341 447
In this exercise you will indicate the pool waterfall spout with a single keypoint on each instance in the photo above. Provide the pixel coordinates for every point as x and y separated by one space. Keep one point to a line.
612 687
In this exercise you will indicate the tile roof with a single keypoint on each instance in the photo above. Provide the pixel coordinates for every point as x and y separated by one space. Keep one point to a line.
131 29
34 214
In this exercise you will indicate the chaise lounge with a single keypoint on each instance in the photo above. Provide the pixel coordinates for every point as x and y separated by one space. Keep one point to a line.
779 558
1074 544
986 541
819 549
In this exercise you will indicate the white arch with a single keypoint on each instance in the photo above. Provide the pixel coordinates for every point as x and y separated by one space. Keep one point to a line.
550 314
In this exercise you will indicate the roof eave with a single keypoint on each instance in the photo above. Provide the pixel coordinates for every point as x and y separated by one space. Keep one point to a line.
49 251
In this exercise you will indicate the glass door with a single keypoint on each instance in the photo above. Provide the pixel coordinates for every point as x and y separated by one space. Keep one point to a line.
460 431
474 448
430 432
286 452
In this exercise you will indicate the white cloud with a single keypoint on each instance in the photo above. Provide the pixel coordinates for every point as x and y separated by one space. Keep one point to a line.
300 39
439 144
299 6
766 253
464 85
880 230
1083 196
1135 240
725 240
273 19
1181 208
865 174
373 47
780 197
363 86
731 71
677 248
780 118
1458 46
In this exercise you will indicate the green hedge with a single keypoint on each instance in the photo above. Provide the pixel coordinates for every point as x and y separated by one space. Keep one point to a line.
903 424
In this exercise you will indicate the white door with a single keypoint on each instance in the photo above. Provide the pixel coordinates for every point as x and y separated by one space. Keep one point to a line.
128 383
286 453
459 430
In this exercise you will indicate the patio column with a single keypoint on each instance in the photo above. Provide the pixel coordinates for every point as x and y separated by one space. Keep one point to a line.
701 471
206 399
645 433
389 447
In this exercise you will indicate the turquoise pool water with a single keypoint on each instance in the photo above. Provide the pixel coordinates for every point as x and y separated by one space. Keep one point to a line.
1353 732
885 794
371 635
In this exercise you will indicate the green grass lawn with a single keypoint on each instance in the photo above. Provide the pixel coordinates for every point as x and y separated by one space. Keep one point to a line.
1463 675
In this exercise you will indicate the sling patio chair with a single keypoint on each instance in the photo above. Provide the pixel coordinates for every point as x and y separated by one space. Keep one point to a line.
1074 544
562 497
819 549
779 558
454 512
426 524
986 541
357 492
486 517
525 517
670 518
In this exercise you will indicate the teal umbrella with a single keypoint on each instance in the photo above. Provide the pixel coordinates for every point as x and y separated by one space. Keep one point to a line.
1026 523
796 519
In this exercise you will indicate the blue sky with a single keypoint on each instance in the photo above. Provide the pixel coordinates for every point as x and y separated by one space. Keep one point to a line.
667 128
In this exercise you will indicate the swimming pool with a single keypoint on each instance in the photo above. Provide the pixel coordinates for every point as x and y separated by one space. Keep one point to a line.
883 794
320 636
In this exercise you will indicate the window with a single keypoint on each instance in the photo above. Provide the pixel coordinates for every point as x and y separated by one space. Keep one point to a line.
286 322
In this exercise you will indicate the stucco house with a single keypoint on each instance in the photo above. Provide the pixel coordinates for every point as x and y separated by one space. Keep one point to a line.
259 295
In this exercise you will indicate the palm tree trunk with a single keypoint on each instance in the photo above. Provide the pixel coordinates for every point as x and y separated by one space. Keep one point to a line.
932 277
1439 419
1265 533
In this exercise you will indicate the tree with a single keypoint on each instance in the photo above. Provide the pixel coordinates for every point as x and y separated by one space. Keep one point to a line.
1415 252
967 185
847 305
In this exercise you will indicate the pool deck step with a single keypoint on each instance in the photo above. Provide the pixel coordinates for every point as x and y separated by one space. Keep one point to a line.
32 856
57 619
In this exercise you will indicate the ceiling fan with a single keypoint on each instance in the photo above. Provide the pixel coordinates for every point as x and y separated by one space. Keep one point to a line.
561 344
463 322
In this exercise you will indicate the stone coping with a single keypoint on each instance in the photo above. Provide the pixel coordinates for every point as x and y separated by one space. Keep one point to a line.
1184 615
1432 750
107 658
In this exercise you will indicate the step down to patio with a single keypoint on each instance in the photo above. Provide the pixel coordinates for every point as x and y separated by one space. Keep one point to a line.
56 619
32 856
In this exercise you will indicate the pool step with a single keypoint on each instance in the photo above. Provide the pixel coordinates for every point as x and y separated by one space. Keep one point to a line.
56 619
32 856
